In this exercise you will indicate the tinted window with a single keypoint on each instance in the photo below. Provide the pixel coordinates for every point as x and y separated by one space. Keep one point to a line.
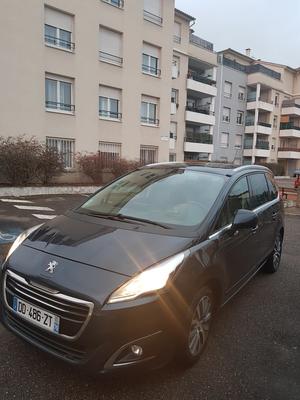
177 197
238 198
273 190
260 191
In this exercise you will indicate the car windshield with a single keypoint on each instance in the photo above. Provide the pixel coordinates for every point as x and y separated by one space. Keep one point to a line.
163 196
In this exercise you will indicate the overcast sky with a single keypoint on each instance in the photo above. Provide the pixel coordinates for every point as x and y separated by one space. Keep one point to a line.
271 28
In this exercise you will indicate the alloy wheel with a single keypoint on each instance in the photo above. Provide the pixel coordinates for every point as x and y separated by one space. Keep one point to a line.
200 325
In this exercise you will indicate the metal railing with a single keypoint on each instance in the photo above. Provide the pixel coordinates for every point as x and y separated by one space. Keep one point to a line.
176 39
289 149
248 144
150 121
156 19
115 3
266 124
262 144
54 105
251 69
290 103
151 70
289 125
198 109
204 138
64 44
196 76
107 57
197 41
110 114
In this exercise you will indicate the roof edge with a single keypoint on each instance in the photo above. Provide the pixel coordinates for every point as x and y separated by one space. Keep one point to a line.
184 15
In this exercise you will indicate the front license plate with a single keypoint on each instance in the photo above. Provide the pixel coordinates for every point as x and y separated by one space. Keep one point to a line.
36 315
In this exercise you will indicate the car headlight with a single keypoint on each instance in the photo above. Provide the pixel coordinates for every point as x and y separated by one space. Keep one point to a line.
20 239
150 280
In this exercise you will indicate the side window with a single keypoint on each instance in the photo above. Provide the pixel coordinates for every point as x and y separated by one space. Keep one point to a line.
273 190
260 191
238 197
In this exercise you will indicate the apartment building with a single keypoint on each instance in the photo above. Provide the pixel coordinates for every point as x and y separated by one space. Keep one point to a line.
123 78
257 100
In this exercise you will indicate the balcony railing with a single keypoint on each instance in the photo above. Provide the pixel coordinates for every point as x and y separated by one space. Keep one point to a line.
111 58
150 121
200 78
251 69
176 39
252 97
199 109
54 105
262 144
289 125
64 44
156 19
204 138
290 103
267 125
110 114
289 149
151 70
197 41
115 3
248 144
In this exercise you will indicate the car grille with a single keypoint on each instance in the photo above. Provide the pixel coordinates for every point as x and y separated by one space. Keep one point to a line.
74 313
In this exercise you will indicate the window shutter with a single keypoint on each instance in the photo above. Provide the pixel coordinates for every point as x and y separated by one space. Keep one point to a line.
58 19
177 29
153 7
110 42
151 50
110 92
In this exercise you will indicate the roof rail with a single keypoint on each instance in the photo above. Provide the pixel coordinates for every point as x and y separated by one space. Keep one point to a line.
252 166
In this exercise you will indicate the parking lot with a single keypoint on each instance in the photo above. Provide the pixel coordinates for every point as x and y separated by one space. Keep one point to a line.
253 353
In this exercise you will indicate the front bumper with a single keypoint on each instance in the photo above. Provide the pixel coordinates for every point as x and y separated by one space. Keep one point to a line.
106 341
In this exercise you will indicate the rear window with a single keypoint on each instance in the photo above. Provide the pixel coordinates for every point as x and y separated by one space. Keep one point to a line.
260 191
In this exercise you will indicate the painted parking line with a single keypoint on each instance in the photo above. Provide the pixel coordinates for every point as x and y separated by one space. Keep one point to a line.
43 216
34 208
15 201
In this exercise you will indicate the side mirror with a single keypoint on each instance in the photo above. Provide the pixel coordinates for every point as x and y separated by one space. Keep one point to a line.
245 219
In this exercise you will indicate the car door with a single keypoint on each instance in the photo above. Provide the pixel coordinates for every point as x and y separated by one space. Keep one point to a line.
261 205
235 250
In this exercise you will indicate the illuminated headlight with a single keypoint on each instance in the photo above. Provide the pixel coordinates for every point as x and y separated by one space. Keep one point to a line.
150 280
20 239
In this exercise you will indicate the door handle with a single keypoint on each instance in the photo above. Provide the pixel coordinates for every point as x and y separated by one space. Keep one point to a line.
254 230
274 215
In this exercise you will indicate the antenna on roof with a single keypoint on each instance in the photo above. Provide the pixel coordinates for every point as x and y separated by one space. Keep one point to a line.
248 52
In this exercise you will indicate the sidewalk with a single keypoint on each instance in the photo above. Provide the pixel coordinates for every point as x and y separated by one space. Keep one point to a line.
292 211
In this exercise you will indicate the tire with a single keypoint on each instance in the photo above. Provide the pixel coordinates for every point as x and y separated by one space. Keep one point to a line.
273 261
197 328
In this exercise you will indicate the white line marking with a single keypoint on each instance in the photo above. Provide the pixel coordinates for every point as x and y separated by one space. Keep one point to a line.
34 208
42 216
15 201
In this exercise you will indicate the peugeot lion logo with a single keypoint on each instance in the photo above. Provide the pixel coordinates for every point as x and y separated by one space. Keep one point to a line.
51 267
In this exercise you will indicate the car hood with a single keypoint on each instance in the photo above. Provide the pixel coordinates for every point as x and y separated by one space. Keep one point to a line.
110 245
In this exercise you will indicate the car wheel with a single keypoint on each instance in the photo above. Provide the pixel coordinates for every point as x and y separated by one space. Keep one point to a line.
198 327
273 261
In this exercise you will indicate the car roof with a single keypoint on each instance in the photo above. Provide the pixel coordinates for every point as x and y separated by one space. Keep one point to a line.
215 168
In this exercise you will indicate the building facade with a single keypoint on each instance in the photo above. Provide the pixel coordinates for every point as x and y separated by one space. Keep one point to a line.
108 76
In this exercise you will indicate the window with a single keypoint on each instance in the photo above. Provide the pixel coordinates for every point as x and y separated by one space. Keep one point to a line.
240 118
175 67
153 11
65 148
275 121
109 152
58 29
177 32
238 141
59 94
173 130
226 114
149 110
242 93
148 154
224 139
238 198
150 62
116 3
260 191
110 43
228 89
174 96
273 189
172 157
109 103
276 99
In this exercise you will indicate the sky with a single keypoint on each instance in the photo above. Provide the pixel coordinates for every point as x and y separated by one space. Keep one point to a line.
271 28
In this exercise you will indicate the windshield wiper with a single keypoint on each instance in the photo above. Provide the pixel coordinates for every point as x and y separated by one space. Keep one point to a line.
146 221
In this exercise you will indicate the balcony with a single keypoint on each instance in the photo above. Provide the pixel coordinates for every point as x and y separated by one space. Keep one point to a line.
198 143
263 128
290 107
290 153
197 41
200 83
155 19
149 121
261 104
199 115
289 130
54 41
105 114
262 148
110 58
147 69
59 107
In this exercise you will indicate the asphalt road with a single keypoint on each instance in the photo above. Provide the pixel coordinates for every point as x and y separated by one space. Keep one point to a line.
253 352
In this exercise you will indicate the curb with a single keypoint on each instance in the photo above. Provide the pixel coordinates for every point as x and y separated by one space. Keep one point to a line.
46 190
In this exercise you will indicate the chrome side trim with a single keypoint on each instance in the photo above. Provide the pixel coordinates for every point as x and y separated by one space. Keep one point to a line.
61 296
217 233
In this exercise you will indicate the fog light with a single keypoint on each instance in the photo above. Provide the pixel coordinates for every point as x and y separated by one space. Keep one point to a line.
137 350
